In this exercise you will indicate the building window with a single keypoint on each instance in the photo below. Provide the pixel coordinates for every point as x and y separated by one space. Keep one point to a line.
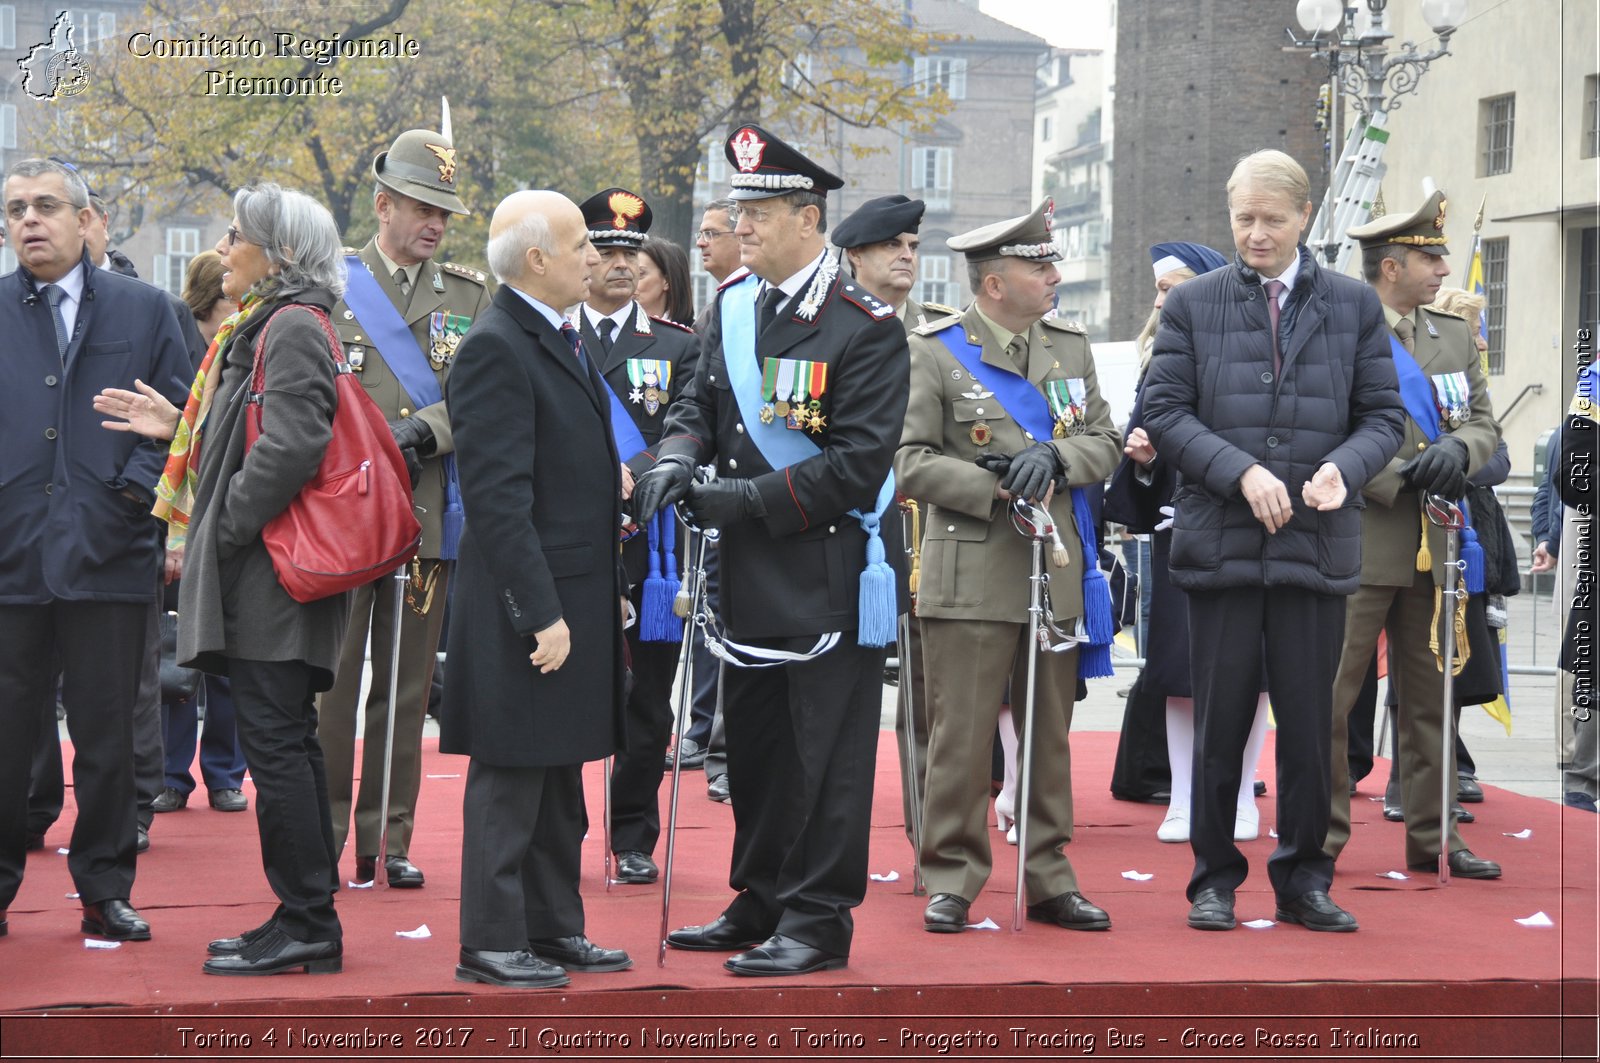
716 163
182 246
8 125
1044 129
1495 254
930 175
1591 116
1498 116
796 74
8 26
1589 281
934 285
930 72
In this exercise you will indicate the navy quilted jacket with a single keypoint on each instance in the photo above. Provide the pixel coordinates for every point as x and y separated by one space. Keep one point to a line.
1214 407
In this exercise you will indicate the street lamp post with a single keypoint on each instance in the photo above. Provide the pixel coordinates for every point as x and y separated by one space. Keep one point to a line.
1354 38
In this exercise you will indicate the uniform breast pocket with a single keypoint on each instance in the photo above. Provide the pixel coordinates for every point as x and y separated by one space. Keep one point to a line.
967 410
953 564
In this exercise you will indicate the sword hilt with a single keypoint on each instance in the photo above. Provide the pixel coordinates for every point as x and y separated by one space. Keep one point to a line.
1444 513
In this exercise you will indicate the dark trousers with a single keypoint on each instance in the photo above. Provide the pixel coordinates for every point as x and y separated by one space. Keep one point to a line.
521 847
1363 718
148 754
636 771
703 705
221 758
802 752
1297 634
276 711
98 645
47 787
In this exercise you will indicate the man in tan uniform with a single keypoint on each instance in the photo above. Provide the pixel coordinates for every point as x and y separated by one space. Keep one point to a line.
1401 569
428 307
973 598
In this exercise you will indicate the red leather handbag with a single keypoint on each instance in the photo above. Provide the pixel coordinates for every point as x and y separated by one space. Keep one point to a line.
353 521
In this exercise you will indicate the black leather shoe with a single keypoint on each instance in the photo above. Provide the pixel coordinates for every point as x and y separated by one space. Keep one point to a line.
520 968
578 953
1213 910
1462 815
1316 911
116 920
717 788
1391 806
1070 910
35 841
1261 788
719 935
1468 792
401 873
636 867
233 946
946 913
366 869
169 800
275 952
780 955
229 800
1463 864
142 842
692 758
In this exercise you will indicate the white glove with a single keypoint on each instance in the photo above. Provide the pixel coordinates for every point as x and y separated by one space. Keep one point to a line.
1166 511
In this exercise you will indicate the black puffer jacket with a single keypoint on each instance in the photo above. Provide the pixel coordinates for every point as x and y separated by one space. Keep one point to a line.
1214 407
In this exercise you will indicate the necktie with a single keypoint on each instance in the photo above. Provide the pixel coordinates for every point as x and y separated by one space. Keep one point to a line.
1406 331
576 342
404 283
1017 351
769 308
1274 311
53 296
607 326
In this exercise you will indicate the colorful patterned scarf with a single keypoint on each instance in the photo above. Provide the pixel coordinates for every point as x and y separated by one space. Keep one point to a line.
176 488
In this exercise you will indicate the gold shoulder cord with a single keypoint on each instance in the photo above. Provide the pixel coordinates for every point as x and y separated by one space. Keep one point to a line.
916 545
1463 647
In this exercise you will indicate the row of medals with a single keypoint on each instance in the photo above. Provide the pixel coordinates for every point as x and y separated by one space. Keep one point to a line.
799 415
1067 423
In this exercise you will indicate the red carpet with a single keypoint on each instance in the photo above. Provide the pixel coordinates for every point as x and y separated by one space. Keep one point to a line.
1450 966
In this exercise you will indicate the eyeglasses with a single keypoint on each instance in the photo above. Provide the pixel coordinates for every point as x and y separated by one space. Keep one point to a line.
708 235
44 206
758 215
234 236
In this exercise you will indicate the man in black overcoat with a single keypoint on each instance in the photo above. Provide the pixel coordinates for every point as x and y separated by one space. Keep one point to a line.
796 352
536 627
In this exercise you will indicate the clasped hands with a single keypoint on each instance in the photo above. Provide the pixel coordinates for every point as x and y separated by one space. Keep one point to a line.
717 504
1269 498
1033 474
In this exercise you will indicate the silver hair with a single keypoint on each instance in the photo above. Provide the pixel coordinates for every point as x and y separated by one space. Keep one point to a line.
297 234
508 251
77 189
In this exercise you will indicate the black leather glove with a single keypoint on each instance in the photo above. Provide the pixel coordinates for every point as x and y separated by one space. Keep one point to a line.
413 465
1032 471
665 482
725 501
415 433
1440 470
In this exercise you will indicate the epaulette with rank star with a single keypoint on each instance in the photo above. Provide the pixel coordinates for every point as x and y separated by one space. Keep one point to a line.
1064 324
668 321
855 293
476 275
938 324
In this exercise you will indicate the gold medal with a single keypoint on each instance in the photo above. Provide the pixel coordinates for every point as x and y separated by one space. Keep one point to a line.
980 434
652 395
767 413
1060 431
781 408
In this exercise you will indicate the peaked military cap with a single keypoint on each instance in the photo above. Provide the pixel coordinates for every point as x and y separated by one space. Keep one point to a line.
1025 237
421 164
765 166
616 218
879 219
1422 230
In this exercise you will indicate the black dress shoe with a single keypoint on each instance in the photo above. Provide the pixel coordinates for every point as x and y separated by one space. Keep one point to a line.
1462 815
692 757
1070 910
275 952
946 913
116 920
1213 910
1463 864
578 953
636 867
1392 810
366 869
780 955
35 841
142 842
719 935
520 968
717 788
169 800
229 800
1261 788
1316 911
1468 792
233 946
401 873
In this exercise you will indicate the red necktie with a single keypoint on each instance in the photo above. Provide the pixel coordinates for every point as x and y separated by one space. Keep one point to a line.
1274 289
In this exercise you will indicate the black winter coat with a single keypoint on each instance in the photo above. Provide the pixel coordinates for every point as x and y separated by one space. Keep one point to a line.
1214 407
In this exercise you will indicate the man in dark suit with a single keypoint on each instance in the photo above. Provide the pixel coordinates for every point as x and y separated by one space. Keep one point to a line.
538 571
400 322
80 554
646 362
799 402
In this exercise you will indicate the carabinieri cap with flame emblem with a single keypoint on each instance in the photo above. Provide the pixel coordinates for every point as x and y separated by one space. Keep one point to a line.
616 217
421 164
765 166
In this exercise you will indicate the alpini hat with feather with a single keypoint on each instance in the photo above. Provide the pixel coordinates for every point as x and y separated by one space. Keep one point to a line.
421 164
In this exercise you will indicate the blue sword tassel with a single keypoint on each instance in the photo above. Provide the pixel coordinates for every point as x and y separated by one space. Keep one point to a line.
1094 656
876 606
656 621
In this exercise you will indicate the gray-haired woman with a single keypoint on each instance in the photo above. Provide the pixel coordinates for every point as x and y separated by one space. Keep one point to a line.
238 621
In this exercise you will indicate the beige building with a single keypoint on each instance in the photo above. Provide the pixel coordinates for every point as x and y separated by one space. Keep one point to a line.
1069 164
1510 120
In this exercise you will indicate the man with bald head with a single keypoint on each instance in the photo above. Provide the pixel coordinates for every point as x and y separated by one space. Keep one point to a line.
536 633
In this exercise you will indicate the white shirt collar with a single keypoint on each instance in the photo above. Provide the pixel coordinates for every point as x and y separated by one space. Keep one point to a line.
791 287
620 317
1287 277
545 311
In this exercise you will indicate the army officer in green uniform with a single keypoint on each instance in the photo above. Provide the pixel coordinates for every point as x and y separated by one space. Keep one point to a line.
401 321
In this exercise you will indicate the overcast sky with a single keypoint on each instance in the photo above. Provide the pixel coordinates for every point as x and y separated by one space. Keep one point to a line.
1064 23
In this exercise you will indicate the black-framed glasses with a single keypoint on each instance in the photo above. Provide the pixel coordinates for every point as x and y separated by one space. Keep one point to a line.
709 235
234 236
